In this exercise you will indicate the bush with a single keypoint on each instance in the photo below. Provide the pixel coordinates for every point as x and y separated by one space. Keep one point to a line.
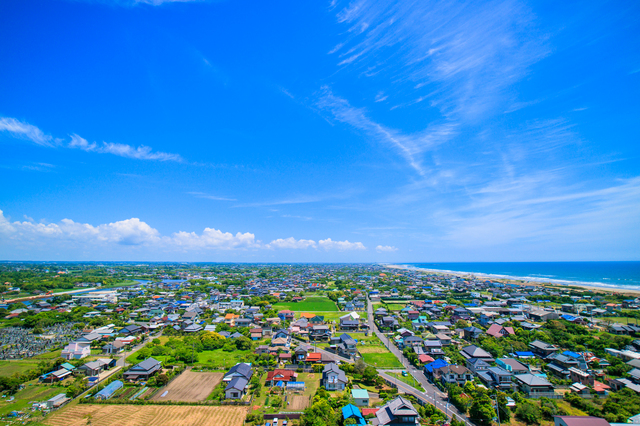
528 413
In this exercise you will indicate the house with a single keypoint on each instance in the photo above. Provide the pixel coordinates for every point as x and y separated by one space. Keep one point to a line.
453 374
280 375
286 315
349 324
512 365
113 347
57 401
333 378
579 421
89 338
143 370
350 411
472 333
497 377
474 351
346 346
578 376
534 386
56 376
76 350
300 354
397 412
389 322
241 369
476 365
236 388
94 368
319 332
314 358
131 330
498 331
361 397
542 349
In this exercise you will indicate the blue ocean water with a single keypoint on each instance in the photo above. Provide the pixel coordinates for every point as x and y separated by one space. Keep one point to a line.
603 274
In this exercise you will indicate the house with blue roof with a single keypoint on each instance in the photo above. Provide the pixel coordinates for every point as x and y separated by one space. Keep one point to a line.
428 368
351 411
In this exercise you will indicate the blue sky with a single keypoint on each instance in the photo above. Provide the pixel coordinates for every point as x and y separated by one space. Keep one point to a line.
319 131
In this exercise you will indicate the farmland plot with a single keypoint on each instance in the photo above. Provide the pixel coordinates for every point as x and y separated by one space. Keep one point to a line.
190 387
152 415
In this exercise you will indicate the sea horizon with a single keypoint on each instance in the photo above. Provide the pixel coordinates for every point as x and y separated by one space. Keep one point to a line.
623 275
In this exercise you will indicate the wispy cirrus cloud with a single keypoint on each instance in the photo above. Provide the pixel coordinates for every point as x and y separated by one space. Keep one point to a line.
386 249
409 146
210 197
462 56
24 130
141 152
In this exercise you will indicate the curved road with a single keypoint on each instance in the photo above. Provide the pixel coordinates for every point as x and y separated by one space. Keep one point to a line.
432 394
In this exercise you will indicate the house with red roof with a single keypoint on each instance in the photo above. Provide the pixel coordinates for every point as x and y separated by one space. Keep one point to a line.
280 375
498 331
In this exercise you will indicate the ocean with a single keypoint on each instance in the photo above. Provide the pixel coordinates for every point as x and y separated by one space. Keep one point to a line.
622 275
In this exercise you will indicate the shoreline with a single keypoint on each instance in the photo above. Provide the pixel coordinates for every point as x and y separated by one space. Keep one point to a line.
523 280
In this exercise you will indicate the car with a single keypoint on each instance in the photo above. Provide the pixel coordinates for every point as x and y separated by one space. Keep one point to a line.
268 424
275 422
404 372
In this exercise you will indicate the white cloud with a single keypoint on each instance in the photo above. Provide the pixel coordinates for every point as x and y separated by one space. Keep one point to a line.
24 130
291 243
214 239
139 153
386 249
134 232
329 244
128 232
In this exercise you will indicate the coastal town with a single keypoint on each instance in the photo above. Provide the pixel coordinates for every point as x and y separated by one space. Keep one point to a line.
307 344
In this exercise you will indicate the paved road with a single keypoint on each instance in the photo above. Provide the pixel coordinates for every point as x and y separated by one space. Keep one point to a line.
311 348
432 393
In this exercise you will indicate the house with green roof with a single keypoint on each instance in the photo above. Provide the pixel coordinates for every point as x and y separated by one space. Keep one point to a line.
361 397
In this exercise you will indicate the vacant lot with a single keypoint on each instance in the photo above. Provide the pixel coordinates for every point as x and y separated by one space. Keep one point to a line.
379 357
8 368
152 415
190 387
310 304
297 403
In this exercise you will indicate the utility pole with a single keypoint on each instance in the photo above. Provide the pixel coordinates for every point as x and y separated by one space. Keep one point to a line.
497 408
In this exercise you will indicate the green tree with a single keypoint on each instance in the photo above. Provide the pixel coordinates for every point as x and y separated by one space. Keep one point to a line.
481 410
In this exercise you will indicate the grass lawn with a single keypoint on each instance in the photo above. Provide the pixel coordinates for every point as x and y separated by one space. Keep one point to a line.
219 357
31 392
379 357
408 379
310 304
48 355
9 368
620 320
363 340
396 306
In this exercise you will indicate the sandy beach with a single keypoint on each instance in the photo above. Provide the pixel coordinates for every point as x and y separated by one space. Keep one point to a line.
549 285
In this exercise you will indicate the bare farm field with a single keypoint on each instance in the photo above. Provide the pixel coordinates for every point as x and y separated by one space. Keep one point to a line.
297 403
152 415
190 387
